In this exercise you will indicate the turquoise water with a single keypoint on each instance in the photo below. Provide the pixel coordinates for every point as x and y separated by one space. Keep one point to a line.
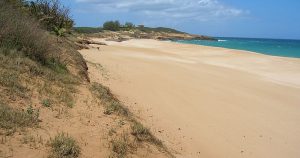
276 47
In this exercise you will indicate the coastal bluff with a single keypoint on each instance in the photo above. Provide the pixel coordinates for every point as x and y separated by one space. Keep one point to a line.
148 33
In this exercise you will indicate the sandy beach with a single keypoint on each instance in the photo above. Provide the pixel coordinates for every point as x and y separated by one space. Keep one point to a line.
205 101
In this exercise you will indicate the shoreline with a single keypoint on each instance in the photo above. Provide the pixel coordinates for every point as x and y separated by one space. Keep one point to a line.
205 101
243 50
232 53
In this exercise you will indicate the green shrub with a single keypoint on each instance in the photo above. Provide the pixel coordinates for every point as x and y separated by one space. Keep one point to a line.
129 26
112 25
52 14
64 146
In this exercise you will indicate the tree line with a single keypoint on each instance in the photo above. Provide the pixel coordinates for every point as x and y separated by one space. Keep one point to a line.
117 26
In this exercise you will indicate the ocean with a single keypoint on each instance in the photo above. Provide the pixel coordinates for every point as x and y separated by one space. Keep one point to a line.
275 47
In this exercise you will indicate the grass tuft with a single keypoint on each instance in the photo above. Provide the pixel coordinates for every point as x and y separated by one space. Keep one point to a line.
143 134
112 104
120 146
64 146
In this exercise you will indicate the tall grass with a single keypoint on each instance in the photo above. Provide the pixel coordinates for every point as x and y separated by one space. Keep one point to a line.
22 33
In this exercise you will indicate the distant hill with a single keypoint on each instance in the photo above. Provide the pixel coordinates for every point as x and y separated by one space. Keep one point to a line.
159 33
143 29
159 29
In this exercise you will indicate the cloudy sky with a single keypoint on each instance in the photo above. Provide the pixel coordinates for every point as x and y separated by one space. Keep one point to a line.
231 18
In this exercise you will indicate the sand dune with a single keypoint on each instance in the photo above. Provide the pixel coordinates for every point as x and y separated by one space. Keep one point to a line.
204 101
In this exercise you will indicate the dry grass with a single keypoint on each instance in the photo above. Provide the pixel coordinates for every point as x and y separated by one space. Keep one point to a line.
13 87
31 60
64 146
11 119
22 33
120 146
20 75
112 104
143 134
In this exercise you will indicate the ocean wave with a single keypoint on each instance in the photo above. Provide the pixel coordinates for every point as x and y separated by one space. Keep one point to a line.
222 40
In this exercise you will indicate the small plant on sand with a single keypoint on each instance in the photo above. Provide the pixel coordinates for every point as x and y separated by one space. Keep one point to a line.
46 103
64 146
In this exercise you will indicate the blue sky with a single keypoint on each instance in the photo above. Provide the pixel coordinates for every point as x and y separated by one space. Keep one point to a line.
229 18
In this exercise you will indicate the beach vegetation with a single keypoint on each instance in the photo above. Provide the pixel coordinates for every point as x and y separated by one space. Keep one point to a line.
46 103
23 34
112 104
117 26
120 146
112 25
11 119
64 146
30 59
87 30
143 134
128 26
52 15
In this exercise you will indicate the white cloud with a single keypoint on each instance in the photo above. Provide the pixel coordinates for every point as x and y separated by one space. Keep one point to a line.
201 10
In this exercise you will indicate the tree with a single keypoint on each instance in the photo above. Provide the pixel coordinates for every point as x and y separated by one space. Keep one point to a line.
112 25
129 26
